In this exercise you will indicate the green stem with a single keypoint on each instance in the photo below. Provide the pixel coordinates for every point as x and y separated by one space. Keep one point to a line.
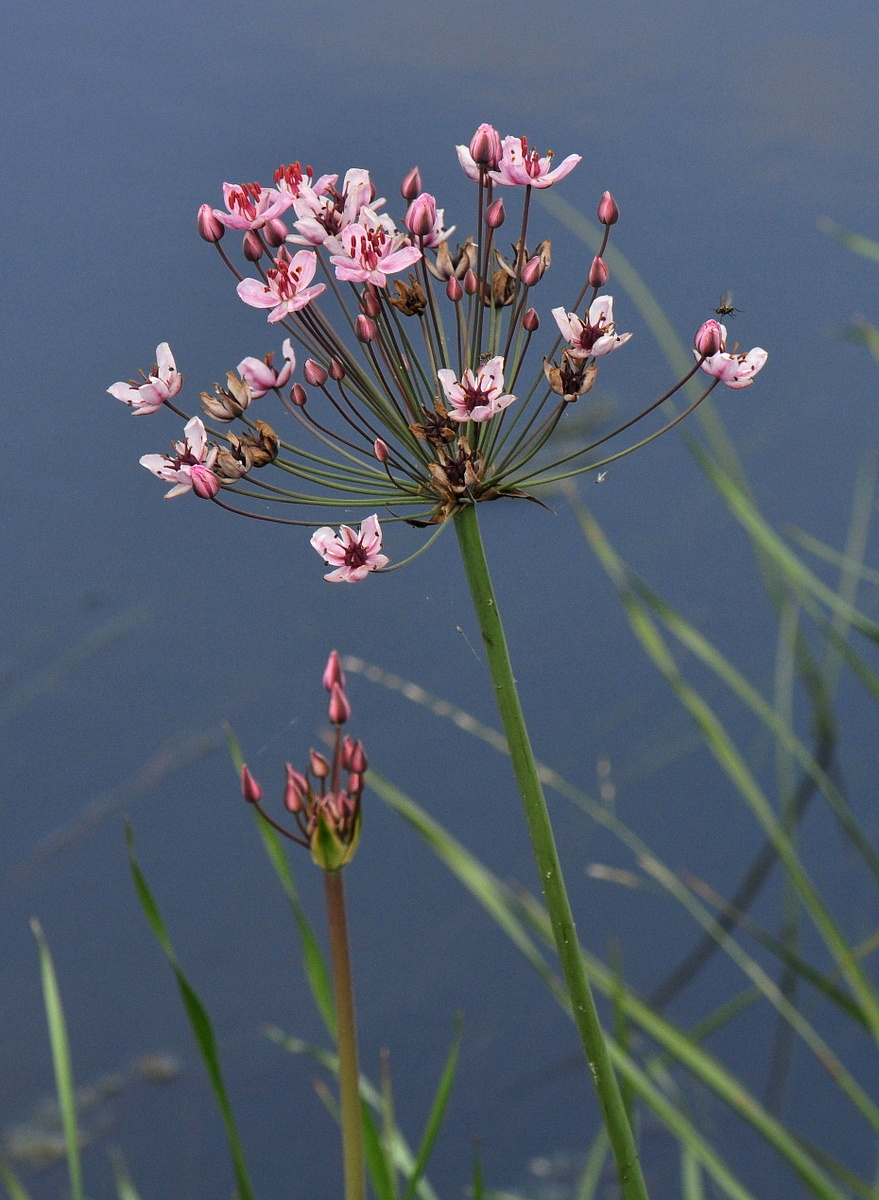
551 880
349 1075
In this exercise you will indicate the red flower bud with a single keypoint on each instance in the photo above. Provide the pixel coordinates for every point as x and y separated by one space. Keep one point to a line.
531 321
371 304
314 373
210 228
470 282
275 232
333 673
365 328
380 449
421 215
296 789
608 213
337 371
339 707
598 273
709 338
252 247
204 482
250 789
485 147
454 291
355 757
495 214
320 767
298 395
532 272
411 185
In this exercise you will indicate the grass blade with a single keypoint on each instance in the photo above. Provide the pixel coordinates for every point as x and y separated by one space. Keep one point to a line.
125 1189
437 1112
596 1159
60 1060
200 1023
14 1189
316 972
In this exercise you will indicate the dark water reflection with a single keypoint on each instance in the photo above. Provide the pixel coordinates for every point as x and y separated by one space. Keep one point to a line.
723 146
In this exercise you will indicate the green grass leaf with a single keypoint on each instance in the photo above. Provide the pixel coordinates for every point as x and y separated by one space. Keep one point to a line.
14 1189
199 1022
437 1113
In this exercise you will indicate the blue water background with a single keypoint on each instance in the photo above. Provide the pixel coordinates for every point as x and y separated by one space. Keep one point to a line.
725 133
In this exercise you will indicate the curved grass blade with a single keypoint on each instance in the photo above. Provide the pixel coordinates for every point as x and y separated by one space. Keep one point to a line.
437 1112
125 1189
856 242
60 1060
316 972
497 899
199 1021
596 1160
14 1189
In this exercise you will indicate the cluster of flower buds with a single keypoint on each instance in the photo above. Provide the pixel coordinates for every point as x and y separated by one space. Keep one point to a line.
324 801
421 405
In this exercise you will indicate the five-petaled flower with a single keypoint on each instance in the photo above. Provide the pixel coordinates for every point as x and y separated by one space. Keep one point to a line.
353 555
735 370
594 335
286 290
251 206
163 383
191 467
479 396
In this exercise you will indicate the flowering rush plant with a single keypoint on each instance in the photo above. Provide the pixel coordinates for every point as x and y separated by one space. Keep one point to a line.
410 373
414 397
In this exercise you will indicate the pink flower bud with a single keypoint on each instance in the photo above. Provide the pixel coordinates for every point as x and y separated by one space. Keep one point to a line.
320 767
204 482
709 338
380 449
421 215
532 272
314 373
355 757
337 371
371 304
598 273
495 214
208 226
252 247
485 147
340 707
250 789
365 328
531 321
608 213
470 282
355 783
295 790
275 232
454 291
411 185
298 395
333 673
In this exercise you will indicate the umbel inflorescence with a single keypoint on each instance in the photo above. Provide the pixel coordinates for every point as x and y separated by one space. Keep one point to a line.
417 391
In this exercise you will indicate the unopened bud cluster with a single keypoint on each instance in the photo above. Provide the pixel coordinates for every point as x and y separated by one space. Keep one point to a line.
323 800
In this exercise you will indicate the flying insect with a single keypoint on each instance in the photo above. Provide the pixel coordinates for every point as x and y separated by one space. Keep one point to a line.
725 306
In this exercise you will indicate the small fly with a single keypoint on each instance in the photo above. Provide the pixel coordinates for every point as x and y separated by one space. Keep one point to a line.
725 306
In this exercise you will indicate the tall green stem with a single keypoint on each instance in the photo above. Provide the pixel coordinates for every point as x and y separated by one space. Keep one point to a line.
551 880
349 1075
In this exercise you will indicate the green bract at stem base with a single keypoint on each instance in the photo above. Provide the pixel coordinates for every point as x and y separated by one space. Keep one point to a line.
549 868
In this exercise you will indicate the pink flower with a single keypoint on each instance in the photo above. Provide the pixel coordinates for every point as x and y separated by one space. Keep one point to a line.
520 164
286 290
371 249
735 370
323 212
477 397
484 150
425 220
251 206
354 555
162 384
260 376
593 335
190 468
